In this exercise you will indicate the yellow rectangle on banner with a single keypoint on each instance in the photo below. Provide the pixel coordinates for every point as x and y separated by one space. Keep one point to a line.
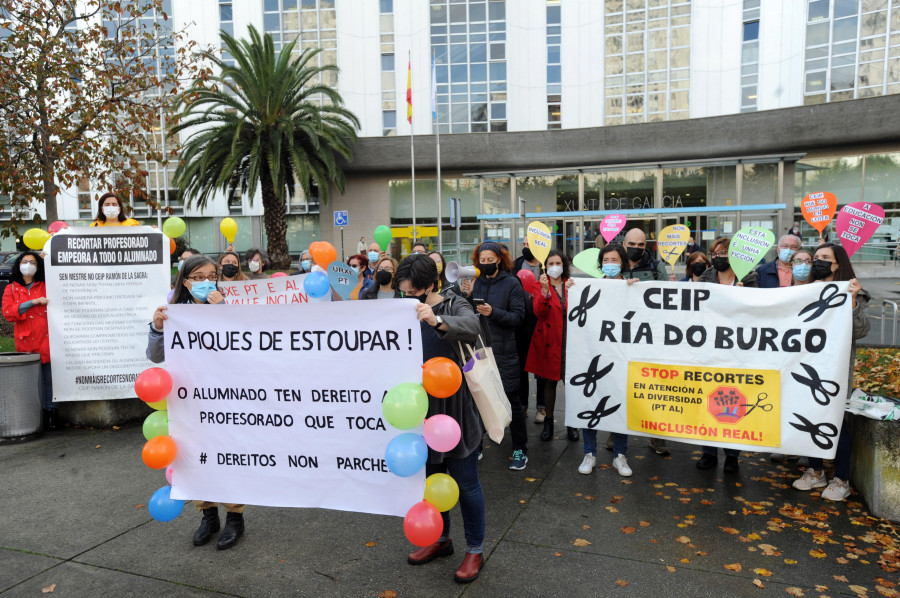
719 405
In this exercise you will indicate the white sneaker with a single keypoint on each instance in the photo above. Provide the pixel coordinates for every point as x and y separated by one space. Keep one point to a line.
621 465
540 415
587 466
810 479
837 490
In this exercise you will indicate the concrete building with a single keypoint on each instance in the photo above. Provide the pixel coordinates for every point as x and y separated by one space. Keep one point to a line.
716 113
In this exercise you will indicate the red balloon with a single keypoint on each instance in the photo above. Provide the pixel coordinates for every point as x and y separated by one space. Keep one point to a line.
528 281
423 524
153 385
57 226
441 377
278 274
159 452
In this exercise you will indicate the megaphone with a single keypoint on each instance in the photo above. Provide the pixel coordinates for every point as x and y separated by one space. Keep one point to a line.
455 272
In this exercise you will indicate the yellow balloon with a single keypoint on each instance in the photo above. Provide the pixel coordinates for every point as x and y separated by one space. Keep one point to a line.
441 491
35 238
672 241
539 239
229 229
159 405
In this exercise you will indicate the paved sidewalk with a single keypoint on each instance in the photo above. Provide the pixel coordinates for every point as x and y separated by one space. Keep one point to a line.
73 519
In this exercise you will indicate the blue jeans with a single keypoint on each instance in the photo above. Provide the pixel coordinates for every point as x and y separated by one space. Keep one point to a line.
841 457
471 498
620 442
714 451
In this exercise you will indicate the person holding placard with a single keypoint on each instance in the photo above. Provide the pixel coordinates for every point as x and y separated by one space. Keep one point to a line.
498 296
257 262
779 272
25 306
111 212
230 267
831 263
613 262
196 283
721 273
447 321
383 287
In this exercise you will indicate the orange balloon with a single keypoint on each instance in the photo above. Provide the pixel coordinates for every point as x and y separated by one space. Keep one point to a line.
159 452
441 377
313 245
324 253
171 246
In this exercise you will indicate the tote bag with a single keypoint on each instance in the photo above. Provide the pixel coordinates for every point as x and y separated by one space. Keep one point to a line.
486 386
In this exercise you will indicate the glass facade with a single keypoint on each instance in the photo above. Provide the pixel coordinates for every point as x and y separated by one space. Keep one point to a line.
647 66
554 65
852 49
750 56
468 38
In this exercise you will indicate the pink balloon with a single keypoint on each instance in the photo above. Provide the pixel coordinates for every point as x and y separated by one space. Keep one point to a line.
277 274
441 433
856 223
611 226
169 474
57 226
528 281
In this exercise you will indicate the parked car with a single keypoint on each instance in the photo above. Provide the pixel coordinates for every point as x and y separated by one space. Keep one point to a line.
6 263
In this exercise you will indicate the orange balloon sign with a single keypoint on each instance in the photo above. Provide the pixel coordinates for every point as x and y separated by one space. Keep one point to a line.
818 209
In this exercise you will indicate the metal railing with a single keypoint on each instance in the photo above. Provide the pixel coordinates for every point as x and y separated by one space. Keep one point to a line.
891 307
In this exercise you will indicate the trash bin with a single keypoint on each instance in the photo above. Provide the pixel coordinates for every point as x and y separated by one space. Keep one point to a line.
20 396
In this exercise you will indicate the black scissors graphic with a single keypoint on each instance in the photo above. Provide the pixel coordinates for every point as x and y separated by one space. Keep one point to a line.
589 378
760 402
579 312
671 252
817 432
600 411
828 298
818 387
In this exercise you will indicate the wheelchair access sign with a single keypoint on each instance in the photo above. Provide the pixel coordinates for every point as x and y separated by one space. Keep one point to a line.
341 218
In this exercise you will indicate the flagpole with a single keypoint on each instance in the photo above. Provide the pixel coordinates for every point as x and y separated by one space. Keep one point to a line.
437 130
412 149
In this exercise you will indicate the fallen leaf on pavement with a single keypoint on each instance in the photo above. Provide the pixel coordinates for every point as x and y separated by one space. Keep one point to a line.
628 530
530 479
116 428
683 540
758 583
794 591
621 583
644 524
817 554
139 506
612 509
729 530
388 594
581 542
841 560
858 589
763 572
96 447
585 527
557 554
670 568
370 544
790 562
685 560
842 578
49 588
736 567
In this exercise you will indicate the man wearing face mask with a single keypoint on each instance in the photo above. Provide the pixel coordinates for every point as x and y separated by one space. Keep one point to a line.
306 264
373 255
641 264
779 273
257 262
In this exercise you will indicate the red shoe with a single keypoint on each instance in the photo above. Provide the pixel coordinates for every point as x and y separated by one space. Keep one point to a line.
429 553
470 568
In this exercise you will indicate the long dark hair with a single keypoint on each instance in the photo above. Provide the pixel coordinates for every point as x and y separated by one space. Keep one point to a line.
16 275
566 274
845 268
182 294
101 216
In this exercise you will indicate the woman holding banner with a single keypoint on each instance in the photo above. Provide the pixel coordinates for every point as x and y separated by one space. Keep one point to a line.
831 263
447 321
613 262
230 267
111 212
196 283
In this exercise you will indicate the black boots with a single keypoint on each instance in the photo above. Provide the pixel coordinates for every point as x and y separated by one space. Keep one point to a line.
572 433
50 421
234 529
547 432
209 525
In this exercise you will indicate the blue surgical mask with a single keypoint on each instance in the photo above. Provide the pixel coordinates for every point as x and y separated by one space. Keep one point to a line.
201 290
180 264
785 254
611 270
801 271
306 265
373 256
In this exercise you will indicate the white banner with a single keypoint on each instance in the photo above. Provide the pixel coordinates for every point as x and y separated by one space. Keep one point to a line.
281 290
103 285
714 365
281 405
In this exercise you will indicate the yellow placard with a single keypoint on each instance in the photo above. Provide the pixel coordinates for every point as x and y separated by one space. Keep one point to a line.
672 241
539 240
400 232
719 405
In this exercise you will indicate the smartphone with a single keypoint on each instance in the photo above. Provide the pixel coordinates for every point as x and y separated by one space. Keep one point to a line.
478 302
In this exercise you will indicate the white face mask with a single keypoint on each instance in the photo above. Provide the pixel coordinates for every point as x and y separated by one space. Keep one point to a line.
254 266
111 211
554 271
27 269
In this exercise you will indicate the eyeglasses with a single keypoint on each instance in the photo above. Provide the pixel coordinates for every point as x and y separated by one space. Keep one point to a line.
719 254
801 262
201 277
391 270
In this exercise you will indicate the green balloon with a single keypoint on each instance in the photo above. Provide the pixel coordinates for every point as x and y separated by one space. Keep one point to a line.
383 236
405 405
156 424
174 227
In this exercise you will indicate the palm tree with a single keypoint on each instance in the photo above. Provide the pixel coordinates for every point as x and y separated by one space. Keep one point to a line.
258 122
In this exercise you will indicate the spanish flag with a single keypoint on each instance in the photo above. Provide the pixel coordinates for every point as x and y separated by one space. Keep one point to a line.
409 93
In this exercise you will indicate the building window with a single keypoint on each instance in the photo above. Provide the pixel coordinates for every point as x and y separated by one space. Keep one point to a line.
750 57
388 67
468 38
554 66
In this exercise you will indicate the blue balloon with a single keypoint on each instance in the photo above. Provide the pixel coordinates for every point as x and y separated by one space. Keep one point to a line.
316 284
406 454
163 507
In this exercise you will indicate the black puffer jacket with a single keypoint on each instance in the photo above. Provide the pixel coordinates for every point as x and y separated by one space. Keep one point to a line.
507 300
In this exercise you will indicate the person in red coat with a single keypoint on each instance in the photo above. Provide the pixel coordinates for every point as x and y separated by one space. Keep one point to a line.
25 305
546 354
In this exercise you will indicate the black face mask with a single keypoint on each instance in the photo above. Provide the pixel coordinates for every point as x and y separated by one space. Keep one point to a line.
720 264
526 253
423 298
821 269
635 254
229 270
698 268
488 269
383 277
